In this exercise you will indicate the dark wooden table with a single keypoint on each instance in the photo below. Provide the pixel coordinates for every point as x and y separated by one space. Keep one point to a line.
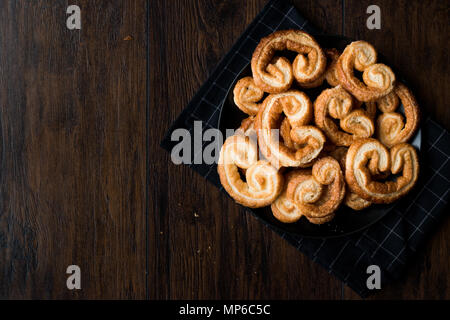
83 179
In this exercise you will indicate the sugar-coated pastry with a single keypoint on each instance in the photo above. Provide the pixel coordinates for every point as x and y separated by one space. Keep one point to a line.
378 79
263 182
286 211
275 75
246 95
338 104
351 199
285 134
296 106
298 110
391 129
247 127
388 103
368 157
331 72
318 193
358 123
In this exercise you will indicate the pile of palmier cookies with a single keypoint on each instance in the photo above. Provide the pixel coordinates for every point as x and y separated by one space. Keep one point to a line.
305 158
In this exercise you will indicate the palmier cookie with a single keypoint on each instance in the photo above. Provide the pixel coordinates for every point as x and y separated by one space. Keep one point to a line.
263 182
338 104
275 75
298 109
318 193
367 158
351 199
246 95
391 129
378 78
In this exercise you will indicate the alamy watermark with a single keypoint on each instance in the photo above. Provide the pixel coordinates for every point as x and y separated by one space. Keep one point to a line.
74 280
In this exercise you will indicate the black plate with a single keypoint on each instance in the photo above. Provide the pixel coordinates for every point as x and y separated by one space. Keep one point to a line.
346 221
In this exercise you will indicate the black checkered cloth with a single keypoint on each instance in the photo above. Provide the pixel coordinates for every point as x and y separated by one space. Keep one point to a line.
389 243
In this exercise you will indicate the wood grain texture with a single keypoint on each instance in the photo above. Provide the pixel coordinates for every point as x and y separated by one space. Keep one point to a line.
72 173
414 37
202 245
